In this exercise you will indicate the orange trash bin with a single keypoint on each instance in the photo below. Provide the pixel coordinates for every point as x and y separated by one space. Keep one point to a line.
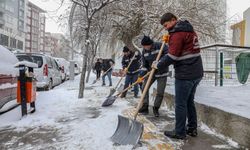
30 90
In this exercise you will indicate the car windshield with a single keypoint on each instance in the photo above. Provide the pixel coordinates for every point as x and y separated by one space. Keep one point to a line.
35 59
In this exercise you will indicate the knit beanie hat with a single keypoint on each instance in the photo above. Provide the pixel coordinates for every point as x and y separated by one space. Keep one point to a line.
125 49
146 41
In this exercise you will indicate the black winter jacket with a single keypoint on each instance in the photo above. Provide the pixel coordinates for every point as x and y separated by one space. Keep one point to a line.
149 56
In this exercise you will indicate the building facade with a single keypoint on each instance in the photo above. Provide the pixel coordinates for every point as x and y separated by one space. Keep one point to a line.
35 29
57 45
241 30
12 24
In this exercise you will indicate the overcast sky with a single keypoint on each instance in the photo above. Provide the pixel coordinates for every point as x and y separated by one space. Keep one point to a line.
235 7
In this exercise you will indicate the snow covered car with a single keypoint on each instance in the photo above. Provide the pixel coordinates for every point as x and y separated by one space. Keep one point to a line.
8 76
48 73
64 65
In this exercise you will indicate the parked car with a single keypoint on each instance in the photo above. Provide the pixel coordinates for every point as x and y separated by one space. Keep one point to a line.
8 76
48 73
64 65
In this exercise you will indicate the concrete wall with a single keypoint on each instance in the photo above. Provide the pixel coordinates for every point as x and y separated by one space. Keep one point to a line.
230 125
246 17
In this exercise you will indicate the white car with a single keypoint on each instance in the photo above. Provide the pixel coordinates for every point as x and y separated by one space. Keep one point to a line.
48 73
64 65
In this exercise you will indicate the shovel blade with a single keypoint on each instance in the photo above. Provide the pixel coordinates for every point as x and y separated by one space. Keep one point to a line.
128 132
109 101
112 91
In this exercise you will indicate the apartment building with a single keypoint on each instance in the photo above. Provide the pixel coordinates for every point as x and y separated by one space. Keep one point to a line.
12 24
35 29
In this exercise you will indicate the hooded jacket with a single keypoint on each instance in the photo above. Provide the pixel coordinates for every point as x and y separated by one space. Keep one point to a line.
184 52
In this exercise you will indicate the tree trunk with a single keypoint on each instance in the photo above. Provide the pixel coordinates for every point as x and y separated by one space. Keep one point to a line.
90 68
82 81
84 66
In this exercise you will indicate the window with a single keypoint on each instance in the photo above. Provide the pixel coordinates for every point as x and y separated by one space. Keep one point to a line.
21 3
12 42
21 13
21 24
4 40
20 45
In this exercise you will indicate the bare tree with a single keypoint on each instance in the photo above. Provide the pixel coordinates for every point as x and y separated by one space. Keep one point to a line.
87 9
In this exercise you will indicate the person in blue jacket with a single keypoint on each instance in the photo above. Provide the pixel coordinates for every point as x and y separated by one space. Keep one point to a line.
149 54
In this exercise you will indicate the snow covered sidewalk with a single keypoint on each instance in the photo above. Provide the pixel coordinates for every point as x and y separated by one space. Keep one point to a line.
62 121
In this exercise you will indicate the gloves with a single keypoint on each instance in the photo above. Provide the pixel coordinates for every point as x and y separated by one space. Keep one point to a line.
155 64
139 79
125 70
136 53
165 38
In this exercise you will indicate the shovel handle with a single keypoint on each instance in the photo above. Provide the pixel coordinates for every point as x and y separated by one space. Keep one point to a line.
132 85
148 82
126 73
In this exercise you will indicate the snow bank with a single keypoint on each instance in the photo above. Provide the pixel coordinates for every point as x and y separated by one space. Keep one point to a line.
7 62
233 99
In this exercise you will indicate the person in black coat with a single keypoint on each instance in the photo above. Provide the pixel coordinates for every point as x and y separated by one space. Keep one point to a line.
98 68
131 71
107 68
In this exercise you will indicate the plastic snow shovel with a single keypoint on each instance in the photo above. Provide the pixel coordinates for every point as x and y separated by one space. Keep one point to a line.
129 131
111 99
102 75
112 90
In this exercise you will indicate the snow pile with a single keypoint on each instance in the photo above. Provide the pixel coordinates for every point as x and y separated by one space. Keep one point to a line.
7 86
207 130
7 62
233 99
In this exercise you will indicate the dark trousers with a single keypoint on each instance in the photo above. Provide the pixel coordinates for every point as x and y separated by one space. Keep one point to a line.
98 74
161 85
130 79
109 77
184 105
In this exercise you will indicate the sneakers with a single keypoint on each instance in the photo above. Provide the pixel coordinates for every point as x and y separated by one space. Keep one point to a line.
192 132
144 109
172 134
156 111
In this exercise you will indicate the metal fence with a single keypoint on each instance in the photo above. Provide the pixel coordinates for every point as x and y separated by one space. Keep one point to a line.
219 64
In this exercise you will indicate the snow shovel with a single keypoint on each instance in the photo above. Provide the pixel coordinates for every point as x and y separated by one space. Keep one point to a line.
102 75
111 99
129 131
112 90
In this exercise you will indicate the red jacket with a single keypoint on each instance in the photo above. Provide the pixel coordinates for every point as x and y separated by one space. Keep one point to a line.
184 52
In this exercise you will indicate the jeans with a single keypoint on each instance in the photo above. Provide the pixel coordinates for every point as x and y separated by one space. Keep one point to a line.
161 85
131 79
98 74
109 77
184 105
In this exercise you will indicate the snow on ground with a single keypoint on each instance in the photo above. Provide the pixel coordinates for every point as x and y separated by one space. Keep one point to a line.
233 99
62 121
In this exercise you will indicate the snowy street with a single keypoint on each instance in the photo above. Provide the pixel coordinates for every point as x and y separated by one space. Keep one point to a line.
62 121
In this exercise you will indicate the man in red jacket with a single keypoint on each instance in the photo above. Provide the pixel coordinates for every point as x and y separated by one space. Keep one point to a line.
184 54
